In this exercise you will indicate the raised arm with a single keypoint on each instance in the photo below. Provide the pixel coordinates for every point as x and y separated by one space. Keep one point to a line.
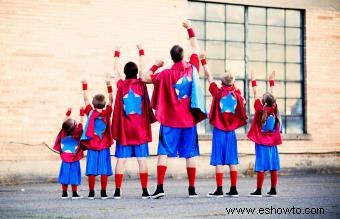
254 84
68 113
109 90
272 82
116 64
207 72
147 76
192 37
141 60
84 86
81 115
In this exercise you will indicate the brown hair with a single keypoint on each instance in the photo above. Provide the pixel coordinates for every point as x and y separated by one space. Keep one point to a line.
69 125
269 100
99 101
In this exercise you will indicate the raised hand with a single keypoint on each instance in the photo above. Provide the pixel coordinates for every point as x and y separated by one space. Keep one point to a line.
159 63
108 83
272 75
117 48
186 24
252 75
140 46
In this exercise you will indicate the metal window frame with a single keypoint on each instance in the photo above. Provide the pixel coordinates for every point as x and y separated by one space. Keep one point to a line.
266 61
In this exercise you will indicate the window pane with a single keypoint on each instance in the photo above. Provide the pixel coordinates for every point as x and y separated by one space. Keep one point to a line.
276 53
276 35
235 13
257 51
275 17
281 105
294 125
201 44
293 72
215 31
240 85
215 49
256 34
279 69
259 69
294 107
293 18
261 88
251 106
217 67
201 127
199 28
215 12
293 36
196 10
279 89
235 50
208 101
293 54
257 15
235 32
236 68
293 90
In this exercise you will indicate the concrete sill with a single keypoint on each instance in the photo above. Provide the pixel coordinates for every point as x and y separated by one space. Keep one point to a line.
243 137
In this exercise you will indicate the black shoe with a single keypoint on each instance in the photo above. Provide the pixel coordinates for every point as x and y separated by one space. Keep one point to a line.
91 194
159 193
145 194
103 194
272 192
75 195
64 195
232 192
117 194
217 194
256 193
192 193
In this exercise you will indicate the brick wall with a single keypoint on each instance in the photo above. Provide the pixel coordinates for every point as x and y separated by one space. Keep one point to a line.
47 47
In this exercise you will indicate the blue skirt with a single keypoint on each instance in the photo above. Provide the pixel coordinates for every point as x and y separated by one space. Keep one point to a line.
224 148
126 151
267 158
70 173
98 162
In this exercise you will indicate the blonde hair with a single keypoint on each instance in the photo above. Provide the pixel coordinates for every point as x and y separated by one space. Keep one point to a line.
228 79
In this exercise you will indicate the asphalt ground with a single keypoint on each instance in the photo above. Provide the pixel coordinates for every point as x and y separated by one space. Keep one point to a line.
310 196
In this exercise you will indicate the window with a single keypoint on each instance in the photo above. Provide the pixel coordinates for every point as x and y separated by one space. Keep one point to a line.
239 38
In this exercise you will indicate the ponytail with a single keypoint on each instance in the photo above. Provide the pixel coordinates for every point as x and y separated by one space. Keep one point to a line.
264 114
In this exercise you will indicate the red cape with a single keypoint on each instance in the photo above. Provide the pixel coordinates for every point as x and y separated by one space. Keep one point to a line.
93 141
70 157
226 121
170 110
255 132
132 129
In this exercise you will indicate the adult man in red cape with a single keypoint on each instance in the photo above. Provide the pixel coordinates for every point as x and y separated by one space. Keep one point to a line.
179 105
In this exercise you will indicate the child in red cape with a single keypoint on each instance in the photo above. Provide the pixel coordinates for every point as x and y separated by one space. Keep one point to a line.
227 113
97 139
265 133
131 123
68 145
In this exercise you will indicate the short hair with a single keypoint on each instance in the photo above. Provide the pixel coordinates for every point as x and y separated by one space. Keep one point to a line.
176 53
130 70
99 101
228 79
69 125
